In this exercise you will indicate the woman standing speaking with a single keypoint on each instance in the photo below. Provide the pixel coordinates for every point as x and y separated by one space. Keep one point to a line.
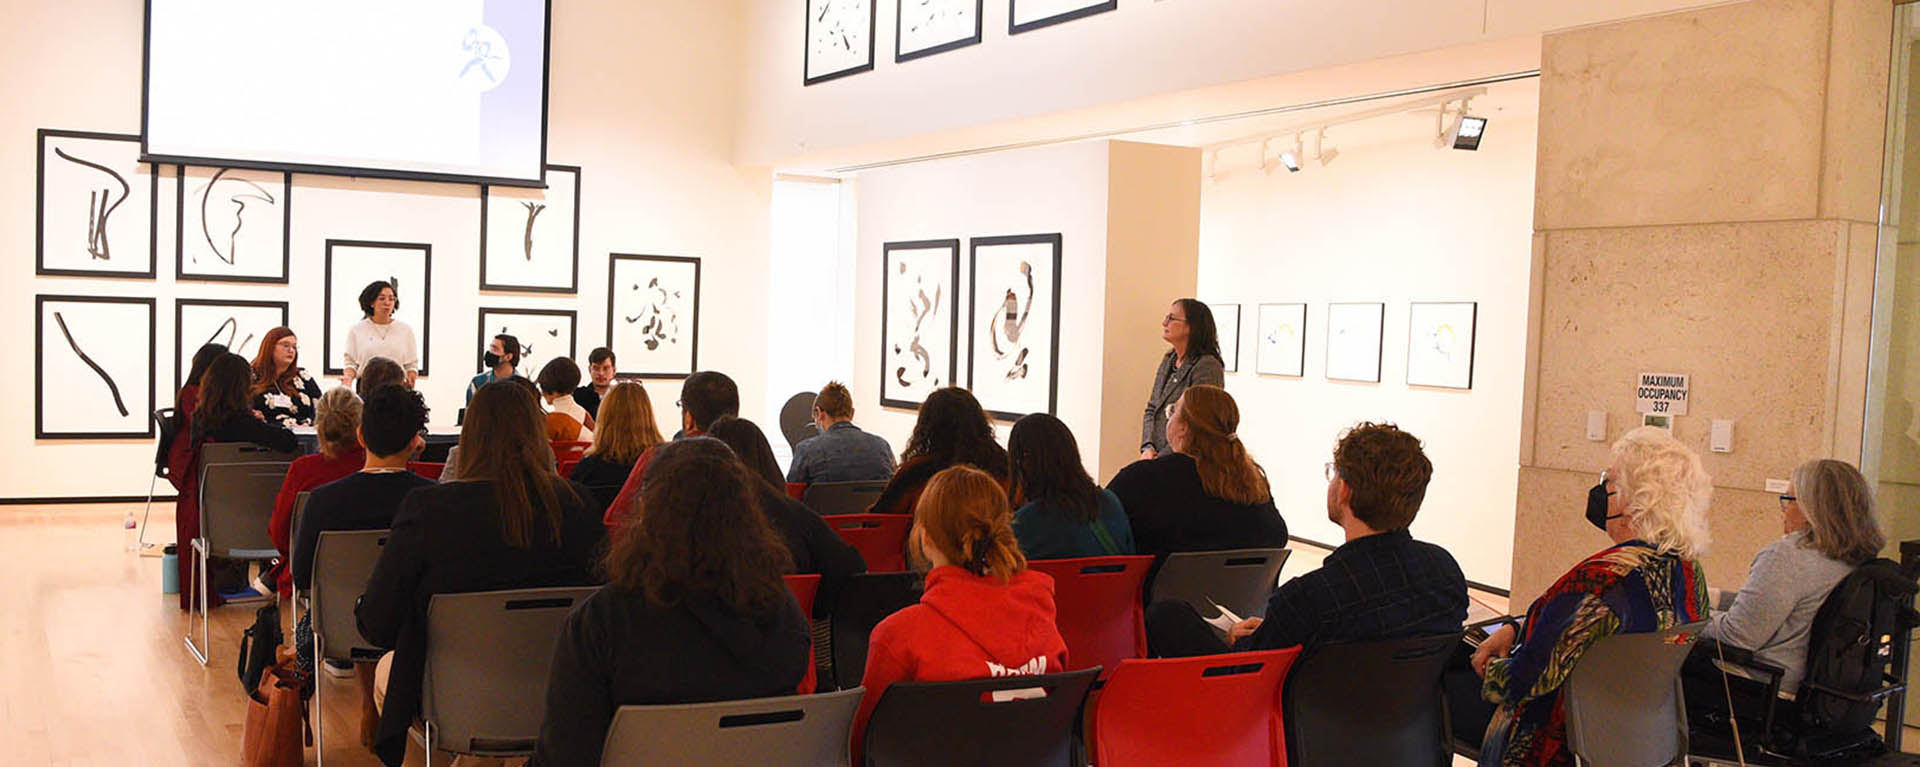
1194 360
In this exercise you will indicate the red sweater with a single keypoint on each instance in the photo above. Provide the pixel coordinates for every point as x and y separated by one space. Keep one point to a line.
965 627
306 473
629 494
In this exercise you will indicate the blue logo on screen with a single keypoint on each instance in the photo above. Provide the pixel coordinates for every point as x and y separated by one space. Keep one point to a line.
484 57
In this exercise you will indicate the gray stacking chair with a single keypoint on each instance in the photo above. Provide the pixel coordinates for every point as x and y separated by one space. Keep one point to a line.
1239 579
488 657
798 730
159 420
1625 706
213 453
830 498
343 560
1361 704
300 500
965 724
236 504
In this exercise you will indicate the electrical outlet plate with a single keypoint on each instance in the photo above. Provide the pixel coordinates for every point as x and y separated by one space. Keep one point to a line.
1777 485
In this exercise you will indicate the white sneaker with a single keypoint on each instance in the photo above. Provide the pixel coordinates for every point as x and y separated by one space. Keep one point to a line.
343 670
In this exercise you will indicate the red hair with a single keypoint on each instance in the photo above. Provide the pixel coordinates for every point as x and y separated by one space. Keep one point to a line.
264 378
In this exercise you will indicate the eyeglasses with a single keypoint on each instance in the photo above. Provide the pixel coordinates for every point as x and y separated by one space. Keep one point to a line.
1332 471
1786 499
1170 318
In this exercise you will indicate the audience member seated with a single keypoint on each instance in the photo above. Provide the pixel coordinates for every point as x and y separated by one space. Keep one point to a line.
984 614
509 523
177 449
282 392
566 420
502 358
952 430
1380 583
1652 502
841 452
340 455
221 414
451 469
602 367
623 431
814 547
695 610
380 372
705 397
1059 512
1206 494
386 435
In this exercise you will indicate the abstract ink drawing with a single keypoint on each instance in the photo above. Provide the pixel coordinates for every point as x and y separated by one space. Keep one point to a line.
113 388
1282 340
93 366
543 333
920 324
239 192
1012 321
1440 340
922 307
1354 340
100 206
1015 304
533 212
94 206
542 225
653 322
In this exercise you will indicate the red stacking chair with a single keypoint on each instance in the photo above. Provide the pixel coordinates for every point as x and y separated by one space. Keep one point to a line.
566 467
797 490
805 588
1098 606
880 538
1226 711
570 451
426 469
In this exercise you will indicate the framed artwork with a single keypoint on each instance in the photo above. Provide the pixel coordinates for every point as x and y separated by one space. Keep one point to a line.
543 334
1029 15
237 325
94 206
530 238
1226 322
1440 340
1353 341
93 376
232 224
926 27
653 315
920 333
1281 343
839 39
354 264
1013 321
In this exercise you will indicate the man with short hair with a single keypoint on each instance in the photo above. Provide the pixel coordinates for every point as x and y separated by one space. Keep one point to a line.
601 367
705 397
1380 584
841 452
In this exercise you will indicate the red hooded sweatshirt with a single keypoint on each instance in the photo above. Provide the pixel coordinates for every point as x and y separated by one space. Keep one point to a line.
965 627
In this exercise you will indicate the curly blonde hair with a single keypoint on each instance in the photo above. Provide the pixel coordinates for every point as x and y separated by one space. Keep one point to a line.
1666 490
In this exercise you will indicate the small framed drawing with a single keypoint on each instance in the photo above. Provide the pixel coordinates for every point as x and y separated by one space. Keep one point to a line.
1029 15
1226 322
1281 341
920 331
232 224
544 334
1440 340
839 39
926 27
530 237
653 315
1353 341
94 372
352 265
237 325
1013 321
94 206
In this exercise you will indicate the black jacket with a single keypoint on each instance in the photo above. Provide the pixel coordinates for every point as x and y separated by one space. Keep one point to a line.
246 428
816 548
1170 511
594 471
446 539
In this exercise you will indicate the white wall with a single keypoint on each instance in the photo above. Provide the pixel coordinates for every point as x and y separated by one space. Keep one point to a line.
641 97
1393 220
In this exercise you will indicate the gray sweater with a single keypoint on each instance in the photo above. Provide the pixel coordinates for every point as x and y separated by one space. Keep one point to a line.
1774 611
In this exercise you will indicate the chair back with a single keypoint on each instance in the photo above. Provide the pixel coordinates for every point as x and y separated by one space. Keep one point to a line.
569 450
566 467
865 600
343 560
212 453
300 501
1239 579
802 730
1024 720
796 418
1228 711
1369 703
488 656
159 420
797 491
428 469
1624 702
805 588
236 505
1098 609
837 498
881 539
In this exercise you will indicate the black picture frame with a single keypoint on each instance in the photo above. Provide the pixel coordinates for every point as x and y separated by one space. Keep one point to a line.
481 324
179 316
973 337
1230 356
426 301
693 337
806 46
953 330
180 233
899 22
1013 8
40 267
40 430
1259 344
573 285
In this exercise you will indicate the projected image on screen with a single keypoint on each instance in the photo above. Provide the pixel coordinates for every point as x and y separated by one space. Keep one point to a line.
445 88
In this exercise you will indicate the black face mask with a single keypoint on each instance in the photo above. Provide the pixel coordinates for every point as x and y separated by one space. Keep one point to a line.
1597 506
492 360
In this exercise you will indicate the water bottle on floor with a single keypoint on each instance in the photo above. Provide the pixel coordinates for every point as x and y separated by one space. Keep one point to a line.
131 527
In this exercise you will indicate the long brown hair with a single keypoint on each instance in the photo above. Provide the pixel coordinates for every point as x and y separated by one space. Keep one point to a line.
504 441
963 513
224 394
699 530
624 427
953 429
265 378
1044 465
1227 472
1838 504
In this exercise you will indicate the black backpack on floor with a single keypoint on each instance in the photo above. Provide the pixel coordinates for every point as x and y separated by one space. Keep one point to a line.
1850 645
257 646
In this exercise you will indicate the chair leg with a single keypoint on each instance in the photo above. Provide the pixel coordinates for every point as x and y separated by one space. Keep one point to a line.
147 514
319 711
198 602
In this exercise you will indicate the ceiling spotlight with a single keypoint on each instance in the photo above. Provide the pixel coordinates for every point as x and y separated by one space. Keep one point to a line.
1466 130
1291 157
1322 152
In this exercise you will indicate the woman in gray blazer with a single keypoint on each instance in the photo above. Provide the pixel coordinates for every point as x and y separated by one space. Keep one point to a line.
1193 360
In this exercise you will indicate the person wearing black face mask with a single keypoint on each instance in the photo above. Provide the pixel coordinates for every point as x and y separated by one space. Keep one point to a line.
501 358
